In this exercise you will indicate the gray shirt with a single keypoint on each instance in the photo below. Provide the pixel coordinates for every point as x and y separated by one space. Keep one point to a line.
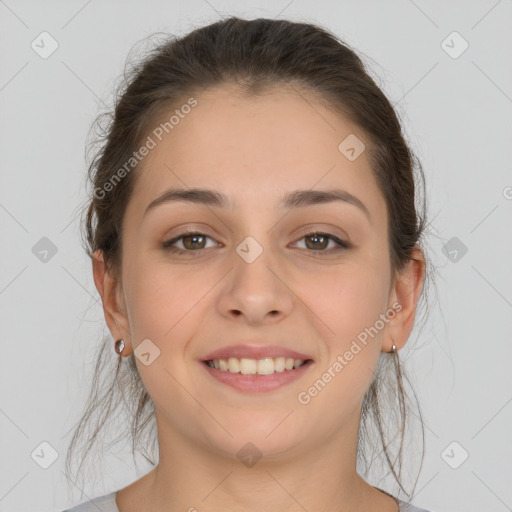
107 503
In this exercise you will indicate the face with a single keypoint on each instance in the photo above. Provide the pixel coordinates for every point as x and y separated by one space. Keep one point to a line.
255 274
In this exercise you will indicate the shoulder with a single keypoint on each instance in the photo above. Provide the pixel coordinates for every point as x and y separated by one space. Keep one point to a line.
106 503
408 507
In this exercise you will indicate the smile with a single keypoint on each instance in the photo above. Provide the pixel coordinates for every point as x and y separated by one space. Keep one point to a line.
256 375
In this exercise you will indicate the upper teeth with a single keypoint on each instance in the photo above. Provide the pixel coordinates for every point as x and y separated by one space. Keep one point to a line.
264 366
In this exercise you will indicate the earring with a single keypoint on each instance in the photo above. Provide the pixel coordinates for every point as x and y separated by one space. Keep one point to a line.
393 349
119 347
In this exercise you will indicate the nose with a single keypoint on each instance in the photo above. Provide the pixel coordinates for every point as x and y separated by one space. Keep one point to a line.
256 292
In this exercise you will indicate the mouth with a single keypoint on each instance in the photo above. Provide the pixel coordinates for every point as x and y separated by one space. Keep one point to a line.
261 367
256 375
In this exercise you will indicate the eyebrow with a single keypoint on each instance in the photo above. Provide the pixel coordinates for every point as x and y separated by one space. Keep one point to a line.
294 199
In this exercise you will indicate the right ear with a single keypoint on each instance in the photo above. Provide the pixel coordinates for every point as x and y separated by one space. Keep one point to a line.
113 303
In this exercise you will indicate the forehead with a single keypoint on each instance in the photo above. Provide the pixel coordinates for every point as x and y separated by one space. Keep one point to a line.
254 149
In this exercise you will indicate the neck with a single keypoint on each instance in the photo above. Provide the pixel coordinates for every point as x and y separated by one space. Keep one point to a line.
191 477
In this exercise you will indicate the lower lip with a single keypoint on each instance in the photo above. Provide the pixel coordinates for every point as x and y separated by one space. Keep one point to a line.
257 383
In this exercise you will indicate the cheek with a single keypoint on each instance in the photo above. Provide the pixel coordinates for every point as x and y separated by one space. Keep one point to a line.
165 307
164 301
348 300
354 301
346 305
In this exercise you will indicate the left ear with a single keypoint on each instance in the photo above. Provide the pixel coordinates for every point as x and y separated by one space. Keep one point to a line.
406 291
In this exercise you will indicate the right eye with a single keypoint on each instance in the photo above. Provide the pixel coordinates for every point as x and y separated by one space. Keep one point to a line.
191 241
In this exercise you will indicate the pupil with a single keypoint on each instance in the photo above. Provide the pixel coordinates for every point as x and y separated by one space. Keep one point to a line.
193 237
316 237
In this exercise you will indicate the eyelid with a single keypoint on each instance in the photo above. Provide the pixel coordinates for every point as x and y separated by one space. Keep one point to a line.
168 243
328 231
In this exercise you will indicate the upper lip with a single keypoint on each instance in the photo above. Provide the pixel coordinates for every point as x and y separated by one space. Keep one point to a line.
254 352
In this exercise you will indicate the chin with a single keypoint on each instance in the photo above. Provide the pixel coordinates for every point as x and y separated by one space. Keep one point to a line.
256 436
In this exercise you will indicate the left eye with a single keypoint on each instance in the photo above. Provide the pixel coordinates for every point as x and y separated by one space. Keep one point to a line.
320 241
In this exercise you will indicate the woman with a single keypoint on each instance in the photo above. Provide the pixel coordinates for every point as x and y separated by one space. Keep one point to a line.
255 242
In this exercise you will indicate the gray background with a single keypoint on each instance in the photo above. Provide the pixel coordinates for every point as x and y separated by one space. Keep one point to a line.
458 117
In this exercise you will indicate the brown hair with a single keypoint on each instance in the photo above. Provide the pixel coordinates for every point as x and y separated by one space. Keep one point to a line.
256 55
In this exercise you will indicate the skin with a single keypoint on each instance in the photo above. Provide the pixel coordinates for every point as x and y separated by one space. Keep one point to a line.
254 150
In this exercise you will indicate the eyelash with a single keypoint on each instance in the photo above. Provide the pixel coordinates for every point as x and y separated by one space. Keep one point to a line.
342 245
